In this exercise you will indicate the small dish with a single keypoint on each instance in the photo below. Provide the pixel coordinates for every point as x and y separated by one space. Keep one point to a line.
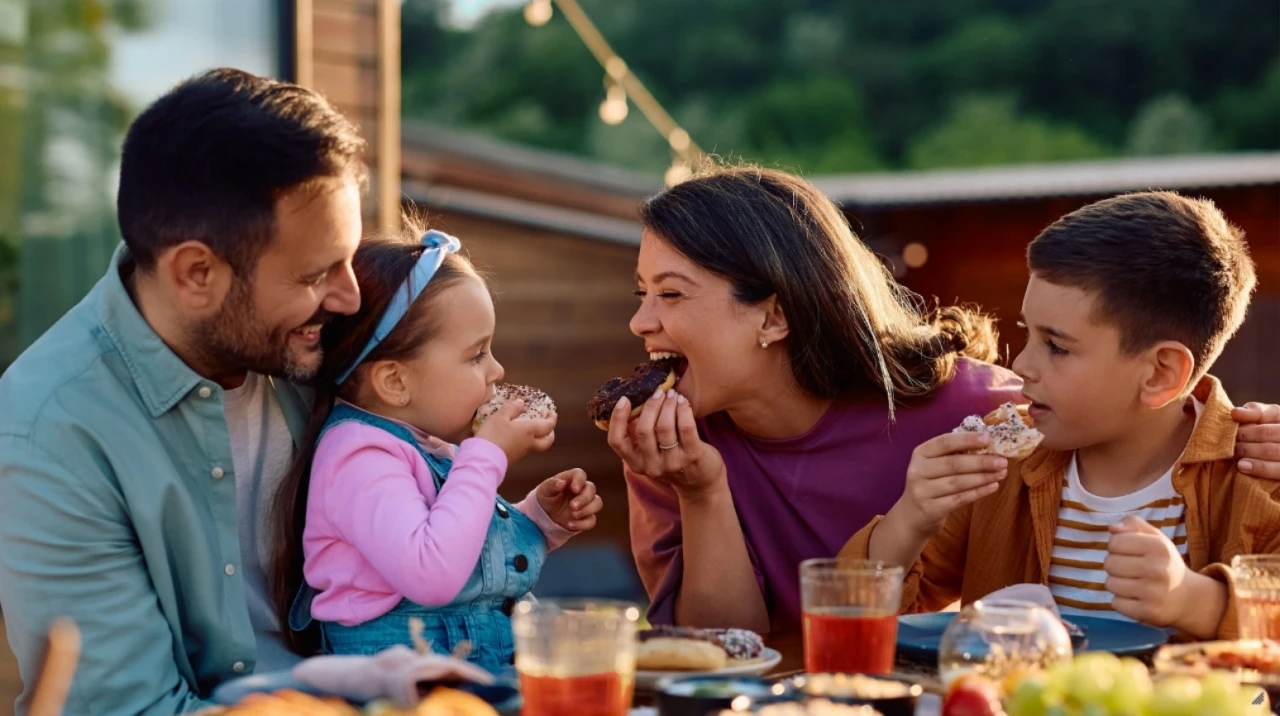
700 695
889 696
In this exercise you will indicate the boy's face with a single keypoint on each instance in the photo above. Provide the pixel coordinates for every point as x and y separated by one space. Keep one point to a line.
1083 389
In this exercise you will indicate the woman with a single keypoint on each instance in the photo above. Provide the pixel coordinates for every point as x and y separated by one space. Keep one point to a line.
810 377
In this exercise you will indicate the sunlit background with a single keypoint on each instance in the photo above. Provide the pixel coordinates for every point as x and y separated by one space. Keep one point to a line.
950 131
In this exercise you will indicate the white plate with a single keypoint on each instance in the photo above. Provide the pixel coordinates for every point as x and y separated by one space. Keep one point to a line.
769 658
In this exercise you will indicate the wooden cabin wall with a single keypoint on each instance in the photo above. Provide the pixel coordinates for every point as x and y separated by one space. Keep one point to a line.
349 51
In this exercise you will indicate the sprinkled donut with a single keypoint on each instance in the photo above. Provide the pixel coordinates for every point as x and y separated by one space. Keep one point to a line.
537 404
1013 434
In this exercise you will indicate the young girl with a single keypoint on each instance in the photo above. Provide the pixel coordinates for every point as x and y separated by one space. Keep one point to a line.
401 520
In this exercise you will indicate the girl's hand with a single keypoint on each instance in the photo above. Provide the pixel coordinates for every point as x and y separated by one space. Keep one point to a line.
663 443
570 500
517 436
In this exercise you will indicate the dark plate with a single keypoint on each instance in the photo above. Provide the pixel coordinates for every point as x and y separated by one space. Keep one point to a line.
919 635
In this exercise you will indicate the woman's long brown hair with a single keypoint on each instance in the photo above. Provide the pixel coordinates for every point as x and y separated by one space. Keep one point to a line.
853 329
381 266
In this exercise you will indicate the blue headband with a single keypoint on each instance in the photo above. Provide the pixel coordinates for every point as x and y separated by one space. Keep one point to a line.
437 244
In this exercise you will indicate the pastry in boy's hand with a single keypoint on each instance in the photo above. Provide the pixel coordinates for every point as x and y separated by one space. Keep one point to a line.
537 404
1012 431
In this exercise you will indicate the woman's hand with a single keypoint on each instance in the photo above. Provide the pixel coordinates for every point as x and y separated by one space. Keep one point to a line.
663 443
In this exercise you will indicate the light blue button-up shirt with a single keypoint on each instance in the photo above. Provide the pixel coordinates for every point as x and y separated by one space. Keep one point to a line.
118 509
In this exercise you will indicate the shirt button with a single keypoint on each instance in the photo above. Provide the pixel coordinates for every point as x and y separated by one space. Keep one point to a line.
217 473
205 392
238 667
229 570
502 512
521 562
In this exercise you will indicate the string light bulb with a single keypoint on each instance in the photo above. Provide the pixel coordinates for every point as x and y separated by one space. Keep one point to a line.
678 172
538 12
915 255
613 110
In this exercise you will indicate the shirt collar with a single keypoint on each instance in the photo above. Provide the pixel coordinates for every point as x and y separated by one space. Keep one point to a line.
161 377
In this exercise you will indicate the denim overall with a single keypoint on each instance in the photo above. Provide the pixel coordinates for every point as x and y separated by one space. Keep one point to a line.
512 557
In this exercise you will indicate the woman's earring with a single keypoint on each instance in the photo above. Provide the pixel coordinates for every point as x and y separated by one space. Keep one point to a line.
404 399
764 344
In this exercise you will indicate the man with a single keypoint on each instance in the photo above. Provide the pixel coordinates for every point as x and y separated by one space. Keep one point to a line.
142 436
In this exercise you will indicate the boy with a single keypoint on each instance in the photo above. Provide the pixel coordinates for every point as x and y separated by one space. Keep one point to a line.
1132 506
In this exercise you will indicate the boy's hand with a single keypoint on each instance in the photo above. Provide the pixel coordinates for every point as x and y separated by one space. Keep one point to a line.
517 436
942 478
570 500
1145 574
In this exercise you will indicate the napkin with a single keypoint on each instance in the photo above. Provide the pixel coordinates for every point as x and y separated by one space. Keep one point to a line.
1034 593
393 674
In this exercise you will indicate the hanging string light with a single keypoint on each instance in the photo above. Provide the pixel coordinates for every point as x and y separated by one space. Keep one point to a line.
538 12
613 110
677 172
624 85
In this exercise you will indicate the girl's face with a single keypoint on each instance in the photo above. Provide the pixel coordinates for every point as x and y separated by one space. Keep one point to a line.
455 372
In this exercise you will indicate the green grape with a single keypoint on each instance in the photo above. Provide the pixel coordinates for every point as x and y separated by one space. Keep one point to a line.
1219 695
1057 678
1092 678
1176 696
1131 689
1029 698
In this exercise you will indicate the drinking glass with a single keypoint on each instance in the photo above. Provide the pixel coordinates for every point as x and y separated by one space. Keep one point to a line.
1257 578
850 612
576 657
997 638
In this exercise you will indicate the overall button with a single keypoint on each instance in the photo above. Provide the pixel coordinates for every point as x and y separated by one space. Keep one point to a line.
508 606
238 667
521 562
503 513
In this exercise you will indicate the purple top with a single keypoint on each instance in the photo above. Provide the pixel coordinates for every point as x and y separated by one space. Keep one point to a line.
805 496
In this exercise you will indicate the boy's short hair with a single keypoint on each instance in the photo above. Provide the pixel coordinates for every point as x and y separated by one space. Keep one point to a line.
1163 266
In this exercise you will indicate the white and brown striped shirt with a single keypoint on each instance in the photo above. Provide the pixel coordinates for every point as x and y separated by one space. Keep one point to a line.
1076 576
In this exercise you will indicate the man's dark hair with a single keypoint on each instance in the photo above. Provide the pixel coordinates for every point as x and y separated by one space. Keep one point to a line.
208 160
1163 267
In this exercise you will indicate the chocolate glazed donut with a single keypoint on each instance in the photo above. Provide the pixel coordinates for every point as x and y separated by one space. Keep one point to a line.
648 378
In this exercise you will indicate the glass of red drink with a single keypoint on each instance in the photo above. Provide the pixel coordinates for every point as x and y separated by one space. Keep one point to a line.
1257 578
576 657
850 615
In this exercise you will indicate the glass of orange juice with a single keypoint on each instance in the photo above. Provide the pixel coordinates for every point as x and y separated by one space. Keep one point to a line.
850 615
576 657
1257 578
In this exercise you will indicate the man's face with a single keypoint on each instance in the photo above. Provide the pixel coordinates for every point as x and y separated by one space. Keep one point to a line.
270 323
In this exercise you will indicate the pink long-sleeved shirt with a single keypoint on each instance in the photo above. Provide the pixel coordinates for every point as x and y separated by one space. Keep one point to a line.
377 532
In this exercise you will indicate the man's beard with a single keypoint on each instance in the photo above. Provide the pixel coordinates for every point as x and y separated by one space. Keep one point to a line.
236 340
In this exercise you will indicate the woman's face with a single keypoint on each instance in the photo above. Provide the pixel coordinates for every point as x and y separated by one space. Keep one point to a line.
689 311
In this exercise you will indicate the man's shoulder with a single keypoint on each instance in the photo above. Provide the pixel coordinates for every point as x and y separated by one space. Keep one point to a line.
72 365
